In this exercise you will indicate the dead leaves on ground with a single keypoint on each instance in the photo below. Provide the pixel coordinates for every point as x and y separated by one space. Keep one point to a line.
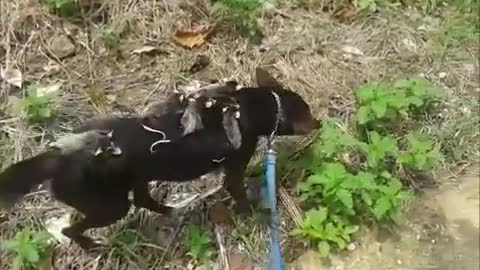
346 13
191 38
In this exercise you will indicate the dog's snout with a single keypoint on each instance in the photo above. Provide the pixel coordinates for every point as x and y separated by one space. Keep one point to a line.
305 127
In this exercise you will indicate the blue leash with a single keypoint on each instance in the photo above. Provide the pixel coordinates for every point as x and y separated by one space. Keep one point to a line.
275 258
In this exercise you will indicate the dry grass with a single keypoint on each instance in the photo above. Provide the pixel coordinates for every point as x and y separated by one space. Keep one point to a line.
309 52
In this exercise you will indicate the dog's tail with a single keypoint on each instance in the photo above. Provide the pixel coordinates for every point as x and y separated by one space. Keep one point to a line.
19 178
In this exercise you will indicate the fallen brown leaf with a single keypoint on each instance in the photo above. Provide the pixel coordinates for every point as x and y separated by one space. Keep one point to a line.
191 38
345 13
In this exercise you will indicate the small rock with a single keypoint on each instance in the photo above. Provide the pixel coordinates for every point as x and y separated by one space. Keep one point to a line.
352 50
61 46
351 247
442 75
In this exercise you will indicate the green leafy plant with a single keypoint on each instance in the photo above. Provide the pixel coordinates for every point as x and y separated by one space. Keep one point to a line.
420 152
369 5
353 175
37 107
198 244
111 38
317 226
389 101
242 13
111 35
28 248
62 7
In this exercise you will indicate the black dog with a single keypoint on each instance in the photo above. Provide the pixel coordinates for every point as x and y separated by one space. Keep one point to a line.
102 196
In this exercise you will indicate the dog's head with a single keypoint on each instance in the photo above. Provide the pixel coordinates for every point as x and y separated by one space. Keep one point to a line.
295 117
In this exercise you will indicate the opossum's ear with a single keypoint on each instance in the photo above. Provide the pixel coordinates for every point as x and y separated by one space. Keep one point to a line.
231 126
264 79
98 152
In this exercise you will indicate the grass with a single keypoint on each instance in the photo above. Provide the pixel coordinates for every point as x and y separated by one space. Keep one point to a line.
302 48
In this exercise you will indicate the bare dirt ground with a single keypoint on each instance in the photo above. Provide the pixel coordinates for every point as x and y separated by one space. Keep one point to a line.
307 49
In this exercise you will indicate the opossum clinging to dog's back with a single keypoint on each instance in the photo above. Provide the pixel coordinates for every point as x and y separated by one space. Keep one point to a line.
94 141
204 98
193 105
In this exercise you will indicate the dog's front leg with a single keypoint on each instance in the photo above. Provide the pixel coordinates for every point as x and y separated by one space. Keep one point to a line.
235 166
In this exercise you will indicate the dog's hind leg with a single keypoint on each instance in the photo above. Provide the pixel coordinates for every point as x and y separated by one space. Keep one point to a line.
142 198
104 214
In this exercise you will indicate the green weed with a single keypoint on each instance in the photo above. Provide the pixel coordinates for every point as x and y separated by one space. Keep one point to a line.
29 248
111 35
127 243
387 102
37 108
458 29
242 13
354 175
198 244
111 38
64 8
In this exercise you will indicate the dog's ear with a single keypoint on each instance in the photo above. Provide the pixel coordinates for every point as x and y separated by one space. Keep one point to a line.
264 79
232 128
